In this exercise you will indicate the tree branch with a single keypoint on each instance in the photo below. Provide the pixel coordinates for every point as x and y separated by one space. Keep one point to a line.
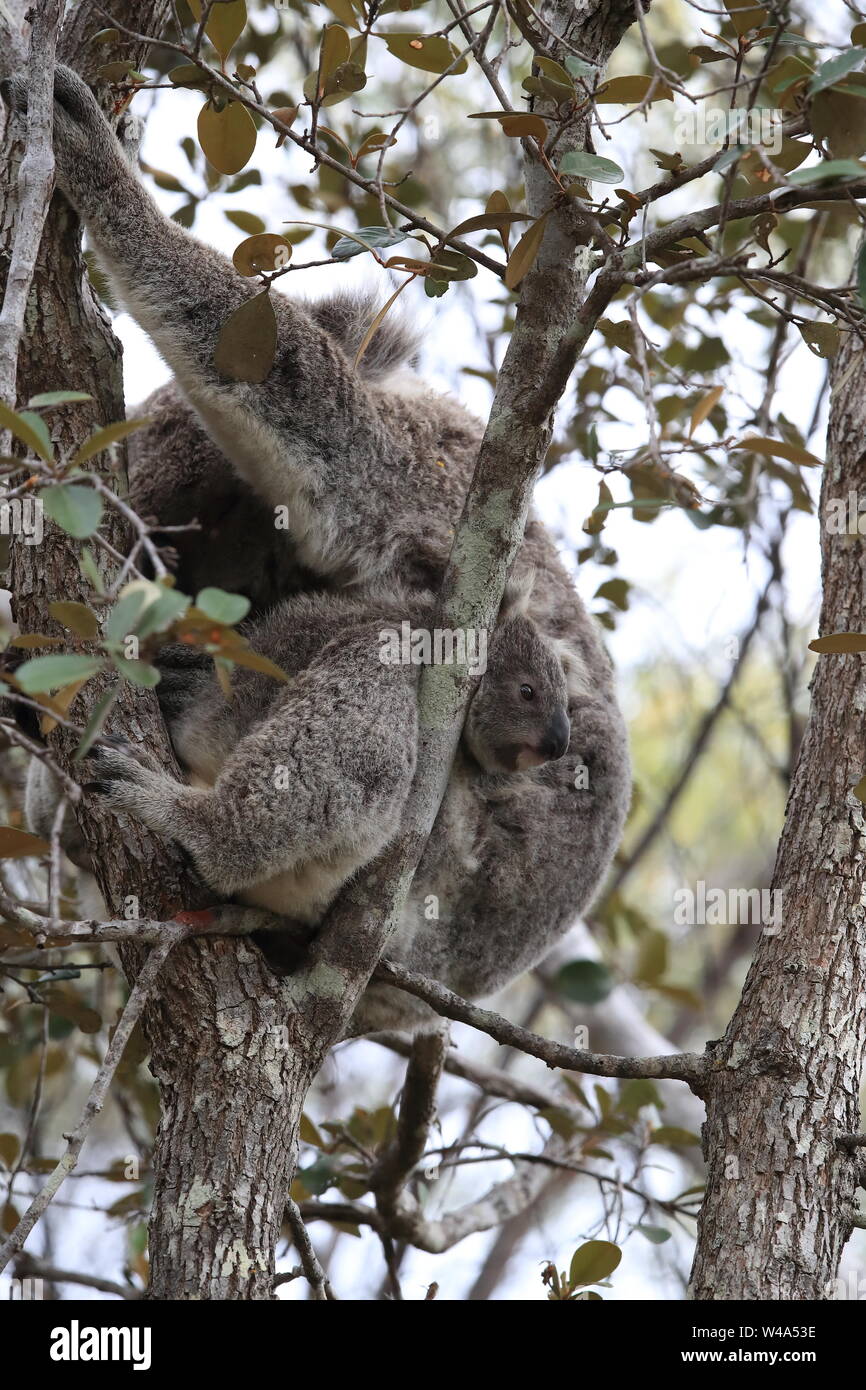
138 997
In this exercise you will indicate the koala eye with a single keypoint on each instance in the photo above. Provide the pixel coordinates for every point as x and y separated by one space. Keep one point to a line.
527 692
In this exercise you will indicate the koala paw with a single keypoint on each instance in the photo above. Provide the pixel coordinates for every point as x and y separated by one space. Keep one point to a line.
130 781
86 153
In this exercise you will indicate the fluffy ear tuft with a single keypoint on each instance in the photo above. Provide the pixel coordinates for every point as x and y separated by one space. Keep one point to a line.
576 676
518 592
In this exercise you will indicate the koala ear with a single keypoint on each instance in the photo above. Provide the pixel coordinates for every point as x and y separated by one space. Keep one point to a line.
576 675
518 592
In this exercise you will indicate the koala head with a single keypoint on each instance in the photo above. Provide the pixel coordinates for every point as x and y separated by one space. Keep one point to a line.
518 718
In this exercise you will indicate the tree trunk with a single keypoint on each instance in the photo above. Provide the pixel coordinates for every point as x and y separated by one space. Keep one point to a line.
780 1191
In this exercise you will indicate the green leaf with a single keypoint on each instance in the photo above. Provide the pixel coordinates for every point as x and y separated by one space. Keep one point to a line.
656 1235
365 239
161 614
579 68
829 171
758 444
77 617
486 220
745 15
621 91
247 343
222 607
10 1146
25 428
674 1137
247 221
77 510
309 1134
227 136
615 591
652 959
139 672
429 52
635 1094
837 67
520 125
225 24
585 981
336 49
124 616
46 673
592 1262
861 274
522 258
58 398
103 438
590 166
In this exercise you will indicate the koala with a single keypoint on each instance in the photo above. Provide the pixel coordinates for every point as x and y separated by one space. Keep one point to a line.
283 800
367 470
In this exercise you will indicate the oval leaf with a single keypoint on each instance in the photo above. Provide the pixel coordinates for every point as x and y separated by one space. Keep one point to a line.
247 221
228 137
261 254
585 981
27 431
779 448
76 509
77 617
222 607
225 24
703 408
622 91
429 52
101 439
20 844
590 166
365 239
523 256
839 642
247 343
592 1262
44 673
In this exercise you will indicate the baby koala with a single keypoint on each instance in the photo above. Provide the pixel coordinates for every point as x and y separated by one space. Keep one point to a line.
292 788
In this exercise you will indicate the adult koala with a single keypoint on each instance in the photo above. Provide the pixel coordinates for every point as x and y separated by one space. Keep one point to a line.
371 470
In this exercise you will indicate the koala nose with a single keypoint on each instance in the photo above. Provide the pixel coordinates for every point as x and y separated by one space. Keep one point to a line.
556 736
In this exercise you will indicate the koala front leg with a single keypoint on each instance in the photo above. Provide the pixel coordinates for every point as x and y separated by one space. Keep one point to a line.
130 785
324 777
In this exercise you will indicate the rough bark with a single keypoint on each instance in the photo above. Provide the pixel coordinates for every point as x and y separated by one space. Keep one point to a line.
786 1076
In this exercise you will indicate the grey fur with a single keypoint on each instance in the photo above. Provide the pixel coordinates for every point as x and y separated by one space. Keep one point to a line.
373 470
